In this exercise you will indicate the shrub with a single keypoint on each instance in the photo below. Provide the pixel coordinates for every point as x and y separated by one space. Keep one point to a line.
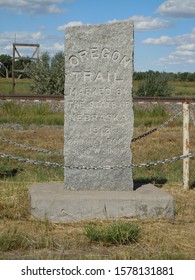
155 84
48 75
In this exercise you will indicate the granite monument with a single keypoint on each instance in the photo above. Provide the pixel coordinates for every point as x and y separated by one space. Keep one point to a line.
99 116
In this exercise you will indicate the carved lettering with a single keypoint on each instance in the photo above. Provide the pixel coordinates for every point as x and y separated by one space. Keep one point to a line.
89 77
88 91
97 53
82 55
96 118
116 56
74 61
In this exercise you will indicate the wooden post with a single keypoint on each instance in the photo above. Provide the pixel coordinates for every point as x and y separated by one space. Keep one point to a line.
18 56
186 146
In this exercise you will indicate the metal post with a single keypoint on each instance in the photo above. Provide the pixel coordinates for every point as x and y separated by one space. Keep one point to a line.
186 146
13 67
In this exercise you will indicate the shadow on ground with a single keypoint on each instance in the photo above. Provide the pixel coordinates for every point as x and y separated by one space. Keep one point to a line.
158 182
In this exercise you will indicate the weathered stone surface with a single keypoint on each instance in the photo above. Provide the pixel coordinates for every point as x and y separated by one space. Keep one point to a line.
98 105
51 201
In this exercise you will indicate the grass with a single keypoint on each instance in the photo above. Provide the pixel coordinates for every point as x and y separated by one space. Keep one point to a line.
183 88
179 88
12 112
23 87
41 114
23 237
120 233
6 170
150 116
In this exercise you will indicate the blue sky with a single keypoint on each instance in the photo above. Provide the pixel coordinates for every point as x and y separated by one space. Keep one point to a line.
164 29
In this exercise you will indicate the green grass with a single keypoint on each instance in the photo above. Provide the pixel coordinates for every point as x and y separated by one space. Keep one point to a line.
41 114
22 86
179 88
116 233
29 114
150 116
6 170
184 89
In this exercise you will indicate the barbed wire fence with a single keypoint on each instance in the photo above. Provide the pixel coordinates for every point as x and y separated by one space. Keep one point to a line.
184 156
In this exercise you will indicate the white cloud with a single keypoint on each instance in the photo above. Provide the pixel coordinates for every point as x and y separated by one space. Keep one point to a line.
183 48
22 36
187 47
34 6
184 55
71 23
184 39
52 49
176 60
54 42
177 8
143 23
163 40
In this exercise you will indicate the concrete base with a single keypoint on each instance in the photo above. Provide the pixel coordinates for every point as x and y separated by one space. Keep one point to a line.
51 201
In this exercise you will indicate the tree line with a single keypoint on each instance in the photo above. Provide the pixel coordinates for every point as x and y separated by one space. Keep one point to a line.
47 76
179 76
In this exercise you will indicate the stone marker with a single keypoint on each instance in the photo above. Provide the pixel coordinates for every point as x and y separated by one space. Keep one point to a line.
99 116
98 132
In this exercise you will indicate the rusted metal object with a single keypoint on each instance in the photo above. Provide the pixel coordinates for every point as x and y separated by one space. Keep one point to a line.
136 99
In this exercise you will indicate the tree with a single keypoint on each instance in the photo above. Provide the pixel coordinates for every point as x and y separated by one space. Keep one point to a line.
58 72
48 74
5 65
155 84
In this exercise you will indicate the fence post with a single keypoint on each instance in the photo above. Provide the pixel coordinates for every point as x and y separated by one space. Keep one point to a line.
186 146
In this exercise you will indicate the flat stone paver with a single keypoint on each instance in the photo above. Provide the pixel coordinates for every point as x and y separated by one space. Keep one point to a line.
51 201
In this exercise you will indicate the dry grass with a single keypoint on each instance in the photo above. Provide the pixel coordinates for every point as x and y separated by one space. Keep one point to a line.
23 237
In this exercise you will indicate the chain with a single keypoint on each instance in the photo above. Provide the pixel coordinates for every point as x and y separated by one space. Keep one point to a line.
163 161
60 153
139 165
156 128
30 148
10 157
116 167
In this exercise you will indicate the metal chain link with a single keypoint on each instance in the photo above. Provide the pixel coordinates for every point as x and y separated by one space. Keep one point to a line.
20 159
139 165
54 164
60 153
29 148
116 167
157 128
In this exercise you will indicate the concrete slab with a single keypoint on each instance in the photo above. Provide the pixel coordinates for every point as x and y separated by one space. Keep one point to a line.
51 201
